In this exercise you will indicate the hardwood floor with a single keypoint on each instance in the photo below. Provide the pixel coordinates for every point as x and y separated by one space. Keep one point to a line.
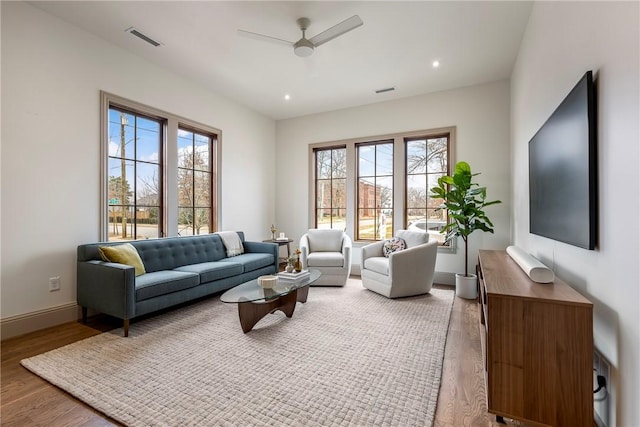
27 400
462 398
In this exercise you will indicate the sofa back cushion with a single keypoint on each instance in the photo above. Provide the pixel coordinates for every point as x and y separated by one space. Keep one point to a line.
413 238
325 240
169 252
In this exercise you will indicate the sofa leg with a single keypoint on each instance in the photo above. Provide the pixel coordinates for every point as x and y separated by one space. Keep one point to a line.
84 315
126 327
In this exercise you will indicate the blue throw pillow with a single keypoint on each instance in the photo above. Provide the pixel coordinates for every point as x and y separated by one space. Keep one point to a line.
392 245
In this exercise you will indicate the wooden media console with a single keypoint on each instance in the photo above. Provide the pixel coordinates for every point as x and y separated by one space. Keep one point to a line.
537 344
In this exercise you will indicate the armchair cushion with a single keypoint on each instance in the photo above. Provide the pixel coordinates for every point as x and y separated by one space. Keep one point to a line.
413 238
378 264
325 240
392 245
325 259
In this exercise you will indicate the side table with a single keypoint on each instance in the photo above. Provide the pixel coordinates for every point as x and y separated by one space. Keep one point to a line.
282 242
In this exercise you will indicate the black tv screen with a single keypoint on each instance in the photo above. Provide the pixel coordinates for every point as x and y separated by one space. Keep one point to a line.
562 170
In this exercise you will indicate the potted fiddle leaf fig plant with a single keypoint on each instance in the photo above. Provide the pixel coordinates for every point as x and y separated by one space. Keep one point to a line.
465 200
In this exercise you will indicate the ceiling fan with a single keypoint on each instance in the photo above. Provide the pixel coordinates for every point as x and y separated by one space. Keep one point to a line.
304 47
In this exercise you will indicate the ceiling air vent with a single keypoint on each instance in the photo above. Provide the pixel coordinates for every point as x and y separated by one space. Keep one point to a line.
387 89
146 38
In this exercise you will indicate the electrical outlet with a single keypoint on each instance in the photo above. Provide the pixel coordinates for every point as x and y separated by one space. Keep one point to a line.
600 366
54 283
601 398
604 370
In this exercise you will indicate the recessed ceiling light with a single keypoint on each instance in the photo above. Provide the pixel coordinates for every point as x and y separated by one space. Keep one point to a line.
435 64
287 97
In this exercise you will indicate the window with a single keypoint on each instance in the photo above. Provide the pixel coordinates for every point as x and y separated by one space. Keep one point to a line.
426 160
375 191
374 186
330 188
195 176
134 171
160 173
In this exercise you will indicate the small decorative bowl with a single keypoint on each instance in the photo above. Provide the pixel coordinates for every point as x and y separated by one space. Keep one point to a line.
268 282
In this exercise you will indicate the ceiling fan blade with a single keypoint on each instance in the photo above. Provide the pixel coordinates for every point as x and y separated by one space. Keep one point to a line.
337 30
259 36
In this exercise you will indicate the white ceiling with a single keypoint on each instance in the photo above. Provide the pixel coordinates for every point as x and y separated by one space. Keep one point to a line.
476 42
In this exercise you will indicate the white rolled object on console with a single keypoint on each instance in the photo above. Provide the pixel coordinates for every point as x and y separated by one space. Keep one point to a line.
537 271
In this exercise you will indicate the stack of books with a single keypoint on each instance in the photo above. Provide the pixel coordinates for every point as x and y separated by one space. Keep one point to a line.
293 277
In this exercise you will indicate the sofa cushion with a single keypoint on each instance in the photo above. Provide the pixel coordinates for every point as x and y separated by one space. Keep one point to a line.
123 254
325 240
413 238
171 252
252 261
325 259
164 282
392 245
378 264
210 271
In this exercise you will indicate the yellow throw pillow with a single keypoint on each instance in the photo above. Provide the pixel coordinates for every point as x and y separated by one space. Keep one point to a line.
123 254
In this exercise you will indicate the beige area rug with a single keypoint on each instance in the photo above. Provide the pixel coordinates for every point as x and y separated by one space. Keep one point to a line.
348 357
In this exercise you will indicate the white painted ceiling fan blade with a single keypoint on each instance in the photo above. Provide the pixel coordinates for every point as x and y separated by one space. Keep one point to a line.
259 36
337 30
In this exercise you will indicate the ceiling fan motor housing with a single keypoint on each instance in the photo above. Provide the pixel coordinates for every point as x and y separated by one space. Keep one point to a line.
303 48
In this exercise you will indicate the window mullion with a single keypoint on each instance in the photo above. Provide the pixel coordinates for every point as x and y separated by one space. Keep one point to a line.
171 178
193 184
135 179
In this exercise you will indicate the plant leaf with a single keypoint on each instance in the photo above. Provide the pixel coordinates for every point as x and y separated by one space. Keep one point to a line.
465 201
462 168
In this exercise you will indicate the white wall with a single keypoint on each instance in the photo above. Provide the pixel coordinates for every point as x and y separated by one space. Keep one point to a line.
481 116
563 40
52 74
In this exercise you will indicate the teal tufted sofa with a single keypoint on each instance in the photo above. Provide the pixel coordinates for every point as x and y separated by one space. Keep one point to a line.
178 269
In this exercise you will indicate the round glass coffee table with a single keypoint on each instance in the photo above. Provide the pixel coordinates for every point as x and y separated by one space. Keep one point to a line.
255 302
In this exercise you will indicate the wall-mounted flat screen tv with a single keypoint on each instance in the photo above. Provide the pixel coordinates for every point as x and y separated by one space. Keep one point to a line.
562 170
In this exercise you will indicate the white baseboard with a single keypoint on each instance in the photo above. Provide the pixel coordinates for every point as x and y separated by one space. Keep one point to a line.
444 278
29 322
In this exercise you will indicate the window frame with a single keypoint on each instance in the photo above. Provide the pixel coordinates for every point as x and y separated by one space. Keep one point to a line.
375 177
316 180
136 163
169 201
406 142
211 220
399 176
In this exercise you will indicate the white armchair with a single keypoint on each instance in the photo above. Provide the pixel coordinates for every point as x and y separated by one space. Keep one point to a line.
328 251
404 273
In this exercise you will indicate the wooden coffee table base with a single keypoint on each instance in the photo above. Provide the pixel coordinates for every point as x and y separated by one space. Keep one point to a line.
251 312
